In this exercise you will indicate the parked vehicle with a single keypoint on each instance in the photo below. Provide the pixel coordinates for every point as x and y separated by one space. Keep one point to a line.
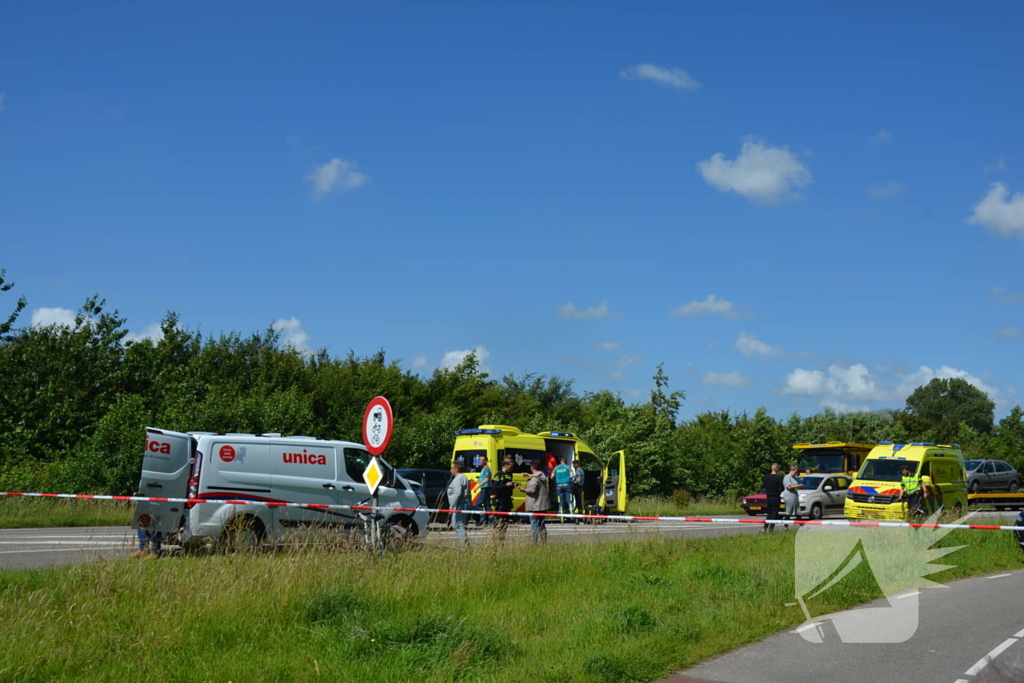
875 492
269 468
991 475
757 504
433 485
604 484
834 457
824 495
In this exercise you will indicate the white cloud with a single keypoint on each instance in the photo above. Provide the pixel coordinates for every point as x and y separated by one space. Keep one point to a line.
570 312
668 76
710 306
419 362
1007 333
606 346
292 333
762 174
336 173
890 189
999 215
841 407
881 136
47 317
748 345
844 385
996 166
725 379
1004 296
453 358
152 332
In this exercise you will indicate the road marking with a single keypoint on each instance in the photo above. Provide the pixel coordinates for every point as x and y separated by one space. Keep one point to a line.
57 542
1001 576
1019 634
984 661
808 627
907 595
58 550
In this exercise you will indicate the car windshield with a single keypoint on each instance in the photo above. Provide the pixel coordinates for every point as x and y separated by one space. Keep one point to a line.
810 482
972 464
885 470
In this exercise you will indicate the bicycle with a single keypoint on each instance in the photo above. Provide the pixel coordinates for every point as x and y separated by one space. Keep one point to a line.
389 535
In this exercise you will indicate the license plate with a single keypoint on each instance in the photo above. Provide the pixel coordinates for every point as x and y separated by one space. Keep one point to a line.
870 513
756 508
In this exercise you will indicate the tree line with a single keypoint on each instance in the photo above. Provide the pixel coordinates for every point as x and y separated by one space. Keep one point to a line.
75 400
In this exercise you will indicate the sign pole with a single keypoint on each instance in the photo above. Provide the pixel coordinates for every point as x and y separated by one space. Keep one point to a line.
378 425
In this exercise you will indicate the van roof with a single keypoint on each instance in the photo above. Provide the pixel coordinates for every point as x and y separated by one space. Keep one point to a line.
916 450
277 437
833 444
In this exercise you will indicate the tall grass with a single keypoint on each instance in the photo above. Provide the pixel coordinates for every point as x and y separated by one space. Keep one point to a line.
625 611
16 512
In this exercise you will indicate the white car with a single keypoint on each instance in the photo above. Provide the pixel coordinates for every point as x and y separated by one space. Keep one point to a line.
825 494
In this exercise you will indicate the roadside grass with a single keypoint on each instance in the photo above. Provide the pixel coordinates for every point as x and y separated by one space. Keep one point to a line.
21 512
624 611
663 506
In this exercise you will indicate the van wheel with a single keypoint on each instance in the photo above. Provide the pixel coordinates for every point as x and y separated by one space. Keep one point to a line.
243 534
816 511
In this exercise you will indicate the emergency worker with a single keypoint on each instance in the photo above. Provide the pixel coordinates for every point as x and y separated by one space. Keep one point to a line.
484 496
912 490
578 477
503 487
563 486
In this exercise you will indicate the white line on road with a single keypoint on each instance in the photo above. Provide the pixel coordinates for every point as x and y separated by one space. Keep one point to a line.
807 627
60 550
984 661
1001 576
78 542
906 595
1019 634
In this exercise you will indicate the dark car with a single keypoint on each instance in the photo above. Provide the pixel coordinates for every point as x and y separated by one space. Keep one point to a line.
757 504
434 486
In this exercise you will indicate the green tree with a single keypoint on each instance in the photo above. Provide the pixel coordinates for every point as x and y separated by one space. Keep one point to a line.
6 326
945 403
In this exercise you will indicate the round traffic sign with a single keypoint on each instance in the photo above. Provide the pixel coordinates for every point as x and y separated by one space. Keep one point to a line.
144 521
378 423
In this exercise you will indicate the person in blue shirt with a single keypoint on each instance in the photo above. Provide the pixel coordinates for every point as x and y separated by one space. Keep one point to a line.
484 486
563 486
578 475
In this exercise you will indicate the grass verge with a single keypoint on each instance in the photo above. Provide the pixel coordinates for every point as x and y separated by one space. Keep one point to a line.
19 512
659 506
628 611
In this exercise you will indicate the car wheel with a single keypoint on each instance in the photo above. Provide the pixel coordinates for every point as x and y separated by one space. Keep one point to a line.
816 511
1013 487
243 534
974 487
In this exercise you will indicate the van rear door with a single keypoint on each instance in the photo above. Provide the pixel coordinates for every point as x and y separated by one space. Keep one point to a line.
166 465
615 483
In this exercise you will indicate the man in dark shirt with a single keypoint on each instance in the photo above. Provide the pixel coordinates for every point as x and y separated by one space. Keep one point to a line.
773 488
503 488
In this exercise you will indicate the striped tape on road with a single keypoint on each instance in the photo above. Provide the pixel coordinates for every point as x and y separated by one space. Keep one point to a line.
553 515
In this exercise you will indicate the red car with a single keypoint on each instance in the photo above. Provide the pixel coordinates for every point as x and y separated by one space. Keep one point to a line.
757 504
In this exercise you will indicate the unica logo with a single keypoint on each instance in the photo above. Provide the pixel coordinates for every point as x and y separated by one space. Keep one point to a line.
305 458
158 447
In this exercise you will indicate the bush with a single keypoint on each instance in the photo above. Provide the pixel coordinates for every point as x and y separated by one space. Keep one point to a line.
682 498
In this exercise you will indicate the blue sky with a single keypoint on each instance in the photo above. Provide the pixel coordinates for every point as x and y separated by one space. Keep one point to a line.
791 207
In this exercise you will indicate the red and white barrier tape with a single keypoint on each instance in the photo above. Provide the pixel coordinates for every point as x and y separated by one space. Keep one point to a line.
610 518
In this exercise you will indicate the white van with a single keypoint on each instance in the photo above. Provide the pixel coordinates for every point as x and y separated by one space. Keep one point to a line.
270 468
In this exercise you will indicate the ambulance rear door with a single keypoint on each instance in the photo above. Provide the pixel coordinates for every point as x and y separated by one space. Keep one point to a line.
166 466
615 498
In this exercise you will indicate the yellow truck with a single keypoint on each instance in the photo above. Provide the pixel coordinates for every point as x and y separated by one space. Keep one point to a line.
604 483
833 457
876 490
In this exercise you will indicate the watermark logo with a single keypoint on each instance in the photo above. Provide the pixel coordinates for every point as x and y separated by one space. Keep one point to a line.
898 559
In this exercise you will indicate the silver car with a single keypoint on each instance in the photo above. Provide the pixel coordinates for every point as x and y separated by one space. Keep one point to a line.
823 495
991 475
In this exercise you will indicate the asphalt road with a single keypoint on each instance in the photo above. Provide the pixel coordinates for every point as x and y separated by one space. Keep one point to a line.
968 632
55 547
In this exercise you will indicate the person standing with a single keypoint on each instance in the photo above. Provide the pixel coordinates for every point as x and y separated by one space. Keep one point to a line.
563 486
537 501
484 493
773 489
790 496
912 489
458 499
502 489
578 476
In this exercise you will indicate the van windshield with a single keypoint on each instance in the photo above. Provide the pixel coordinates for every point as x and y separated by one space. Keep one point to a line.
885 470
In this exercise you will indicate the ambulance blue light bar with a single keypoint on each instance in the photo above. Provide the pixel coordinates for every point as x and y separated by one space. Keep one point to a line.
473 432
923 443
571 436
885 443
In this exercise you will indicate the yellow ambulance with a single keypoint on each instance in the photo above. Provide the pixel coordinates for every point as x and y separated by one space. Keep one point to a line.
604 482
875 491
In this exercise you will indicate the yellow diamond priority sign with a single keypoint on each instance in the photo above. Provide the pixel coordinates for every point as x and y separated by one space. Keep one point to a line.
373 474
